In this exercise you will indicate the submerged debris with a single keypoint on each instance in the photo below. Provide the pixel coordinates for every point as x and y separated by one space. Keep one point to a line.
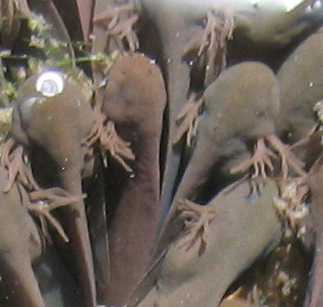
31 40
292 207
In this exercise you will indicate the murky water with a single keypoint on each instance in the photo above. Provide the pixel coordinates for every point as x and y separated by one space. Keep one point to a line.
155 153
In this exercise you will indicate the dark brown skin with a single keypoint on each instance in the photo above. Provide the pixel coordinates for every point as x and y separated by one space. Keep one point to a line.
135 99
314 296
22 245
113 24
177 75
59 126
176 27
19 245
248 91
301 82
113 31
12 12
301 87
97 214
241 229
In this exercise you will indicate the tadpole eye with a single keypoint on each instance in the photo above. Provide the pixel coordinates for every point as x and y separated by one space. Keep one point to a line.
50 83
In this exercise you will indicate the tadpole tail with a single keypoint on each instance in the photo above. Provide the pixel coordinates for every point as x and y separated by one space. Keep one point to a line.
74 223
19 280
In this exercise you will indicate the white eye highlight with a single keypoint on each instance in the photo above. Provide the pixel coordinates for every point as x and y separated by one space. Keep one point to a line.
50 83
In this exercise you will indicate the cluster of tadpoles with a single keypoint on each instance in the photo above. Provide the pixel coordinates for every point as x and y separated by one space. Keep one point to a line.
161 184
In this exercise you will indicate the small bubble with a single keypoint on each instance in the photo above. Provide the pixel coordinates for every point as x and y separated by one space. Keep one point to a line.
152 61
311 84
169 60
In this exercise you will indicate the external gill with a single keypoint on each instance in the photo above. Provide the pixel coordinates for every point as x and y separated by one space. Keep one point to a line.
43 202
105 133
196 221
119 22
210 45
188 119
261 159
14 159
